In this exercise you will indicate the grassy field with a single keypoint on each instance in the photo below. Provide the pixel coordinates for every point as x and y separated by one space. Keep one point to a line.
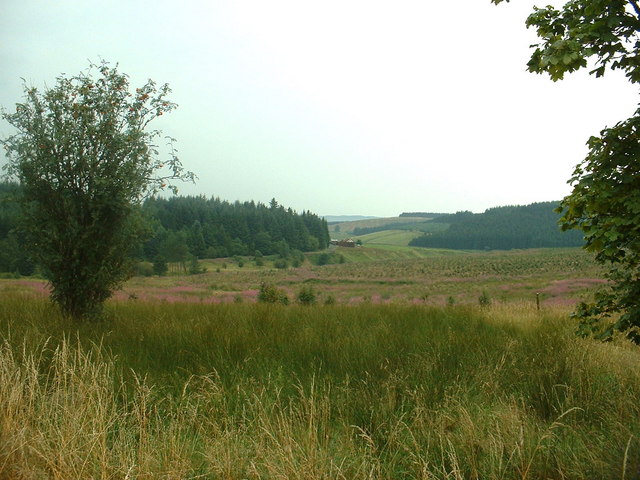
389 237
381 275
348 227
253 391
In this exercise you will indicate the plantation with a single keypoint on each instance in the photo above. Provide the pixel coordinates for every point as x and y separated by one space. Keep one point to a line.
385 274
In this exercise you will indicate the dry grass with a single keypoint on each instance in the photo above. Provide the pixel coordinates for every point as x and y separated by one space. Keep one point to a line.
257 392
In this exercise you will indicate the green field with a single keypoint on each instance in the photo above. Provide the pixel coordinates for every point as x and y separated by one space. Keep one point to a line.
397 231
399 238
349 227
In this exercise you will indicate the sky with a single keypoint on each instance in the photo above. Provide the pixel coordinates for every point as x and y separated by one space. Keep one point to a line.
337 107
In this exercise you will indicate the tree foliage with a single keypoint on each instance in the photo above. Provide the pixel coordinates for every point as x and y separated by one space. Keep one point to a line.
269 293
85 158
211 227
182 227
501 228
601 35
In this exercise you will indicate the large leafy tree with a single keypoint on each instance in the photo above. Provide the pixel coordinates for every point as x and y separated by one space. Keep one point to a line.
85 157
601 35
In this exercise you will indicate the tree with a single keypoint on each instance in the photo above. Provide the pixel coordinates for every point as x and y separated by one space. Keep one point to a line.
175 249
605 201
85 158
160 266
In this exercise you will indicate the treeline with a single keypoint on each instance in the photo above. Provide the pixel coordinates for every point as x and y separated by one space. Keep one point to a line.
210 228
421 214
502 228
13 257
185 228
421 226
381 228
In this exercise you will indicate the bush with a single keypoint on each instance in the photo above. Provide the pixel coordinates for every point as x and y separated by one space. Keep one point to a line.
307 295
330 258
484 299
330 300
323 259
281 263
297 258
144 269
269 293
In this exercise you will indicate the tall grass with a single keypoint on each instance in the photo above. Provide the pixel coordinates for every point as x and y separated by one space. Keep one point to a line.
265 391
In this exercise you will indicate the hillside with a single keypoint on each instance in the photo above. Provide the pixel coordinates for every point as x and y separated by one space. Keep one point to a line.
499 228
386 223
389 237
331 219
502 228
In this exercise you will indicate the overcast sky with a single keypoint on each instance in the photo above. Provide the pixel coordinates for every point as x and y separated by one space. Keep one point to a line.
338 107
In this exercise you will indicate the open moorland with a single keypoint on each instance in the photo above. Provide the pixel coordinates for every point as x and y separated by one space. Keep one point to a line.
398 371
385 274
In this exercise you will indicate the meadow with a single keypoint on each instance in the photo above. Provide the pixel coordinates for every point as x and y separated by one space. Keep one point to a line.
255 391
350 226
386 274
403 387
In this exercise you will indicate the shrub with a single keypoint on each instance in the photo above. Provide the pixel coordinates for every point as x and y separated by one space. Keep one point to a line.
484 299
330 300
323 259
281 263
269 293
144 269
307 295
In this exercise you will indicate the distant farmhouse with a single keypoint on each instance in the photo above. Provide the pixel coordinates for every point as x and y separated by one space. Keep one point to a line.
344 243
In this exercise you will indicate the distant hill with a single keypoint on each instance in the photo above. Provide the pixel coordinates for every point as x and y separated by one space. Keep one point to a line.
502 228
373 224
345 218
421 214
